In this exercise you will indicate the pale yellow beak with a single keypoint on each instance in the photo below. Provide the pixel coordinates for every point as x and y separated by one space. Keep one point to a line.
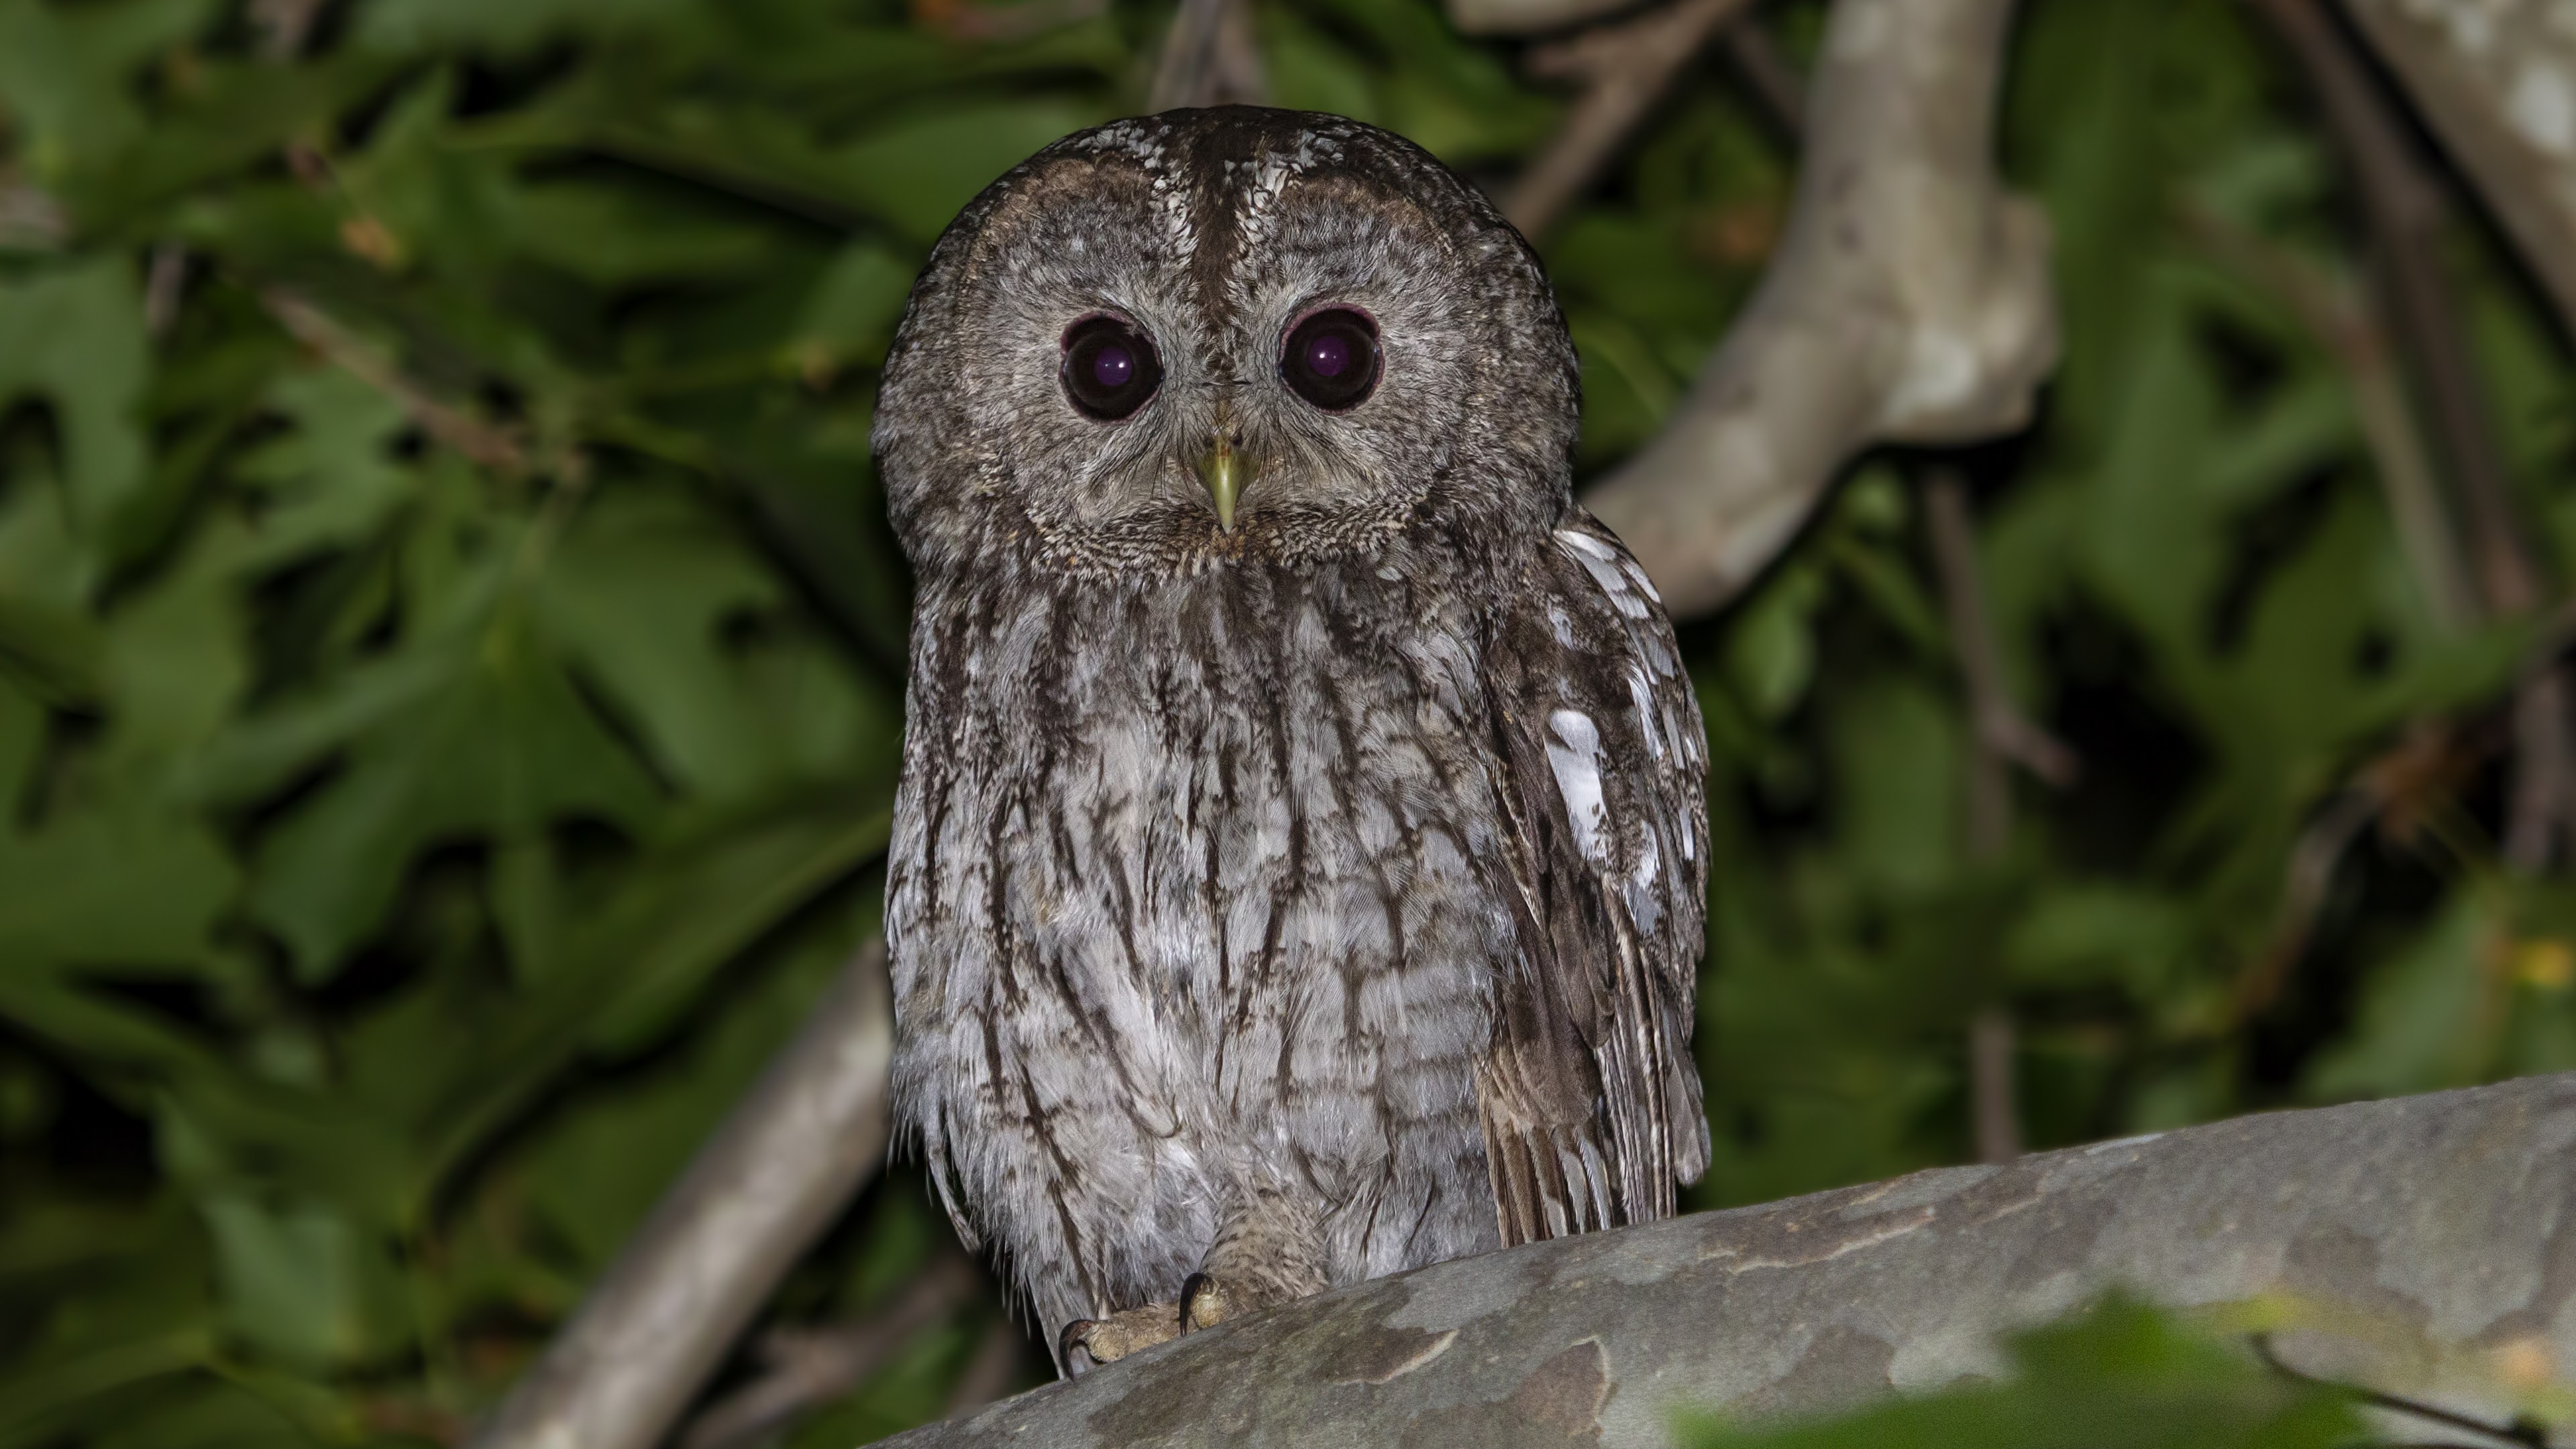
1223 471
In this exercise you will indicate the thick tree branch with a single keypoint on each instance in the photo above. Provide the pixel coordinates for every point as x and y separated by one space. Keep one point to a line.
2498 84
789 1158
2420 1246
1908 301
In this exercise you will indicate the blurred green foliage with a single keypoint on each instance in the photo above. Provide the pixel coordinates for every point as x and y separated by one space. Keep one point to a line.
450 652
2117 1376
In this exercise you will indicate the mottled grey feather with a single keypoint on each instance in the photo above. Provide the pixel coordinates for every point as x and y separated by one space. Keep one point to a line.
1261 883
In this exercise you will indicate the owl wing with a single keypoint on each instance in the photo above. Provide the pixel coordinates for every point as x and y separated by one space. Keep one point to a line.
1590 1100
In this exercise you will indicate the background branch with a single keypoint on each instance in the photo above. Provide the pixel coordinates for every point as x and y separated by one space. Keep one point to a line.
1625 68
787 1160
1909 300
2498 85
2411 1242
1209 58
1999 737
2408 215
805 1368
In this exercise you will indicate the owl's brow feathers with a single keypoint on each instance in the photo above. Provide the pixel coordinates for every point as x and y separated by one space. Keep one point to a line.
1229 211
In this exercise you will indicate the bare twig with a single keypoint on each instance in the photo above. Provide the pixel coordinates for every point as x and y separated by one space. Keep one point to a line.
1999 736
1209 57
2305 883
806 1368
1625 68
2411 789
2349 328
284 25
491 446
1991 1093
2498 84
1909 302
2518 1431
2408 214
1768 74
962 20
792 1154
163 285
1524 17
2542 794
31 219
2002 733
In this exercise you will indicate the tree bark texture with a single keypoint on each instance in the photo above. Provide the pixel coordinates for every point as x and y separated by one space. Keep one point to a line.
2418 1246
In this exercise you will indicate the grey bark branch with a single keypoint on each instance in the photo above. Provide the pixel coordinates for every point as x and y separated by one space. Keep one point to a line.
1909 302
788 1159
2498 84
2424 1246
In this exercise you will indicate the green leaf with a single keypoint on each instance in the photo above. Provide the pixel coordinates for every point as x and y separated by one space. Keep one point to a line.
410 27
300 1281
74 337
640 594
120 886
851 315
478 735
1771 653
64 72
1896 750
22 736
917 172
2427 1014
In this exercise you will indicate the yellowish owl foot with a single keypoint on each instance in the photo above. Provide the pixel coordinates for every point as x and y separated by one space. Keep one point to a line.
1090 1342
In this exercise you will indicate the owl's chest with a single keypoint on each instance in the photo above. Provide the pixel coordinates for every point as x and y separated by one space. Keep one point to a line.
1191 798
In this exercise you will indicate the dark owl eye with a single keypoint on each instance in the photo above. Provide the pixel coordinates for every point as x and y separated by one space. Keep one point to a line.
1109 368
1331 358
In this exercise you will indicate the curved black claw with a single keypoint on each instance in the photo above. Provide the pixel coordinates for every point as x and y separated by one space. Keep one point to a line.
1073 1348
1203 1303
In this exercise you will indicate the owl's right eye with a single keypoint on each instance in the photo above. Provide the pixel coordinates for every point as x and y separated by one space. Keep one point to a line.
1109 367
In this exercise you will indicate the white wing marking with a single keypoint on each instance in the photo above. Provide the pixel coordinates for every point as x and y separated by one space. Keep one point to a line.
1575 755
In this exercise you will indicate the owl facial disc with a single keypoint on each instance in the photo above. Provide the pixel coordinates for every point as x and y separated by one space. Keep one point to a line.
1218 340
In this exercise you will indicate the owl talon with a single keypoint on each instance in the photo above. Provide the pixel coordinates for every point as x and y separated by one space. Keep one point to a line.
1204 1303
1087 1343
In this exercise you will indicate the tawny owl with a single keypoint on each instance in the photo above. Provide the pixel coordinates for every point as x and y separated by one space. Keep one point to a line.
1298 868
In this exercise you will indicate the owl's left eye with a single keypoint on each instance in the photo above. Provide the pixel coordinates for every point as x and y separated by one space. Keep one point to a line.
1331 359
1109 367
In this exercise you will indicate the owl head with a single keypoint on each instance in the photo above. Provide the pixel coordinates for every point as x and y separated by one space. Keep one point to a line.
1222 335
